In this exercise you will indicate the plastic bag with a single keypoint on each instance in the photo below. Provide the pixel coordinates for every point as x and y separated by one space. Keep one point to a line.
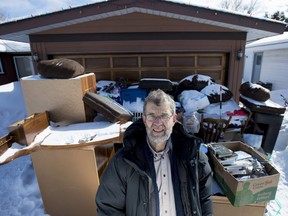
253 140
191 122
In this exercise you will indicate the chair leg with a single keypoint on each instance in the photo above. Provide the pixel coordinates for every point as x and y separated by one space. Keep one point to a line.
246 123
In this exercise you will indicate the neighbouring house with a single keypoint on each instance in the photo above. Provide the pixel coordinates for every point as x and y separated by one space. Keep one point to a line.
145 39
266 60
15 61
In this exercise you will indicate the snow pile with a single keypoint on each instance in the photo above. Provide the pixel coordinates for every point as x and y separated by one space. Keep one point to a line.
78 133
11 95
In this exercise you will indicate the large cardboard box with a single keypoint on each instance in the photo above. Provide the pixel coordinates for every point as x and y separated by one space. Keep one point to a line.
244 192
62 98
223 207
69 178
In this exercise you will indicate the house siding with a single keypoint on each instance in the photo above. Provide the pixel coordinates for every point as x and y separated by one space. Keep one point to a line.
274 62
8 68
274 68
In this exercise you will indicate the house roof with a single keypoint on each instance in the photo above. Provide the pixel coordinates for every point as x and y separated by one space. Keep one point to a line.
256 28
7 46
270 43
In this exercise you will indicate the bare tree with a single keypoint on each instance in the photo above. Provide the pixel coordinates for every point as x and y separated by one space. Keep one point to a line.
239 5
3 17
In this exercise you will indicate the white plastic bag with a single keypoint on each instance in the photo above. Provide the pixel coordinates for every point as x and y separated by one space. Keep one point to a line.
253 140
192 100
191 122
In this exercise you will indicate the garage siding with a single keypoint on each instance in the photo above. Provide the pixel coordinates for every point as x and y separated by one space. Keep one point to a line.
275 63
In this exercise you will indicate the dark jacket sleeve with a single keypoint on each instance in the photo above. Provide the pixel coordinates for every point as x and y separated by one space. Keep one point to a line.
110 197
205 185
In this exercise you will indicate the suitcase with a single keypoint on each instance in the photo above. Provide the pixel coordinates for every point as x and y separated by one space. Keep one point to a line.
113 111
154 83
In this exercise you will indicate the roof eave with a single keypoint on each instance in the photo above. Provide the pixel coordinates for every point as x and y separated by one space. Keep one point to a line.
256 28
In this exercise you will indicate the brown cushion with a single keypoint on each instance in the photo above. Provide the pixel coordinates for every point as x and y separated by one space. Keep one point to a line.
254 91
60 68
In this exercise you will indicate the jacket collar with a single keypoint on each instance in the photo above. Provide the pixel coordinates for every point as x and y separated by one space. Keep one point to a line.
184 144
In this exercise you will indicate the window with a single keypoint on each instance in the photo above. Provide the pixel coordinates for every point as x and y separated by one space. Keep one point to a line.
24 66
257 67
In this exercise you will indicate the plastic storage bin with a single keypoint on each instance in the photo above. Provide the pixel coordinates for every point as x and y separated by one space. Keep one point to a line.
133 99
131 95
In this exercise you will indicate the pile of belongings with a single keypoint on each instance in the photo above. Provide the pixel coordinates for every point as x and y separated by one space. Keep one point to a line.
194 94
111 89
200 93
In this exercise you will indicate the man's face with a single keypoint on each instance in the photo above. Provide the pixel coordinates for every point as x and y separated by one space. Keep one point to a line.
159 123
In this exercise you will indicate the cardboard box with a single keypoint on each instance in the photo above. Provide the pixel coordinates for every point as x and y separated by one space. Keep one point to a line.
61 97
69 178
223 207
249 191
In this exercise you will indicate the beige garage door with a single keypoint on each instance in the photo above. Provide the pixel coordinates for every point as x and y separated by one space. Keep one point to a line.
134 67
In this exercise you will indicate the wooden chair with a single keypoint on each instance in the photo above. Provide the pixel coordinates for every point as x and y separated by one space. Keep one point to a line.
212 129
246 123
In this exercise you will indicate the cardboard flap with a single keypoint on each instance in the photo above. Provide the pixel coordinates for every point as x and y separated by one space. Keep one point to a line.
5 143
24 131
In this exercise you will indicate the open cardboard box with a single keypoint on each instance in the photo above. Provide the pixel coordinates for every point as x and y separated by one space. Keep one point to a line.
249 191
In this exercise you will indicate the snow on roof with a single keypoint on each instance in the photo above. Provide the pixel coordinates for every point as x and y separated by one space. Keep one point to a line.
273 40
14 46
210 16
212 6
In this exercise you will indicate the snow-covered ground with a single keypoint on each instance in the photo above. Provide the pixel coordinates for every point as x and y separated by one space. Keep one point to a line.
19 191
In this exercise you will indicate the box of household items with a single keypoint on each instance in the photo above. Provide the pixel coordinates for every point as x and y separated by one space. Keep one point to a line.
243 173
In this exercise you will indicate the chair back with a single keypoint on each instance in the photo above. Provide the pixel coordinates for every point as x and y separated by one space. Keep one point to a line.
212 129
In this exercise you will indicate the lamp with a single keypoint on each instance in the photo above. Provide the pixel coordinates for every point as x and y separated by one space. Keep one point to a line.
239 54
35 57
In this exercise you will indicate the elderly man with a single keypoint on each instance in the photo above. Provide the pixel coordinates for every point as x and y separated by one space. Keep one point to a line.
161 169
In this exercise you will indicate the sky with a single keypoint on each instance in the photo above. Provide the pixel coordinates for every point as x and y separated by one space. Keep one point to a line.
16 9
19 189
